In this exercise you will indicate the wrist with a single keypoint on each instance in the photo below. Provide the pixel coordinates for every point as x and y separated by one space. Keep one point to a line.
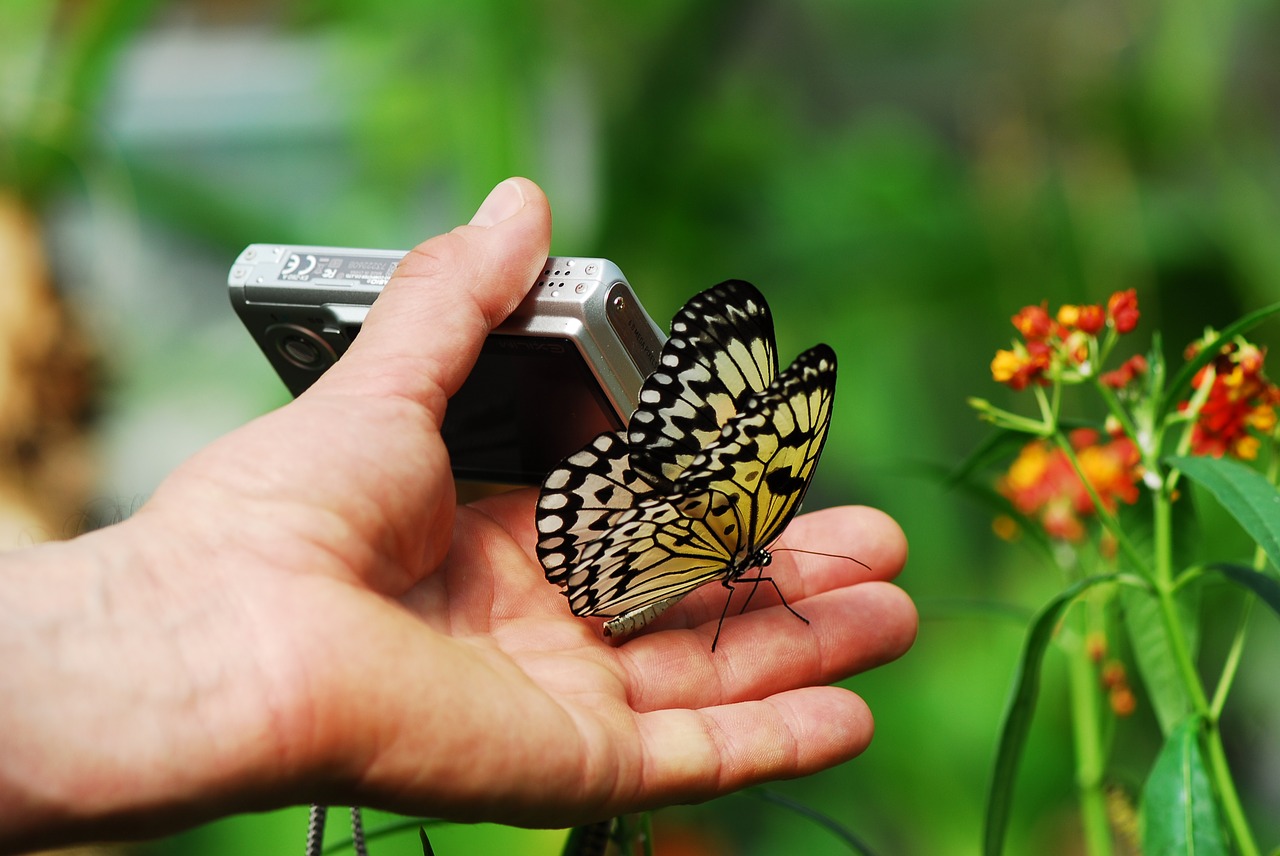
122 700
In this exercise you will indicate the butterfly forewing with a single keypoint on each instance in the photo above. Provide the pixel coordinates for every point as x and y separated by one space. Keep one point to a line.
721 352
765 458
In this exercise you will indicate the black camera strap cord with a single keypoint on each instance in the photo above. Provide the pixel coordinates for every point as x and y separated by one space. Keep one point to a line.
315 831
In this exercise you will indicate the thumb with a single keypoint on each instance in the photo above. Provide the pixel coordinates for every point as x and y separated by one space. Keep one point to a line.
424 332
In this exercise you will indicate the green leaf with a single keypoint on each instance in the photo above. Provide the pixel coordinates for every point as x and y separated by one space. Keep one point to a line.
1251 499
1179 814
1020 709
1181 382
835 827
1263 585
1153 656
999 446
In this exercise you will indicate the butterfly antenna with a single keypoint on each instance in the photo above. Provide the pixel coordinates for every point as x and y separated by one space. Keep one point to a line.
819 553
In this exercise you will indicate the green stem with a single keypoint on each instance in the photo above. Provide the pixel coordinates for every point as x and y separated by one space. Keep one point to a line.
1228 798
646 831
1232 664
1165 588
1049 408
1090 760
1004 419
1109 398
1166 596
1108 519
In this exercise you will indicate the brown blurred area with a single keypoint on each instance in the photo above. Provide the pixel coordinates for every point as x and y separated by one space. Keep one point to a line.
48 382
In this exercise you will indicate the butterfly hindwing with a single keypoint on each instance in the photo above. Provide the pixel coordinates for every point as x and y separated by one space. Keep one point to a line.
613 543
721 352
581 501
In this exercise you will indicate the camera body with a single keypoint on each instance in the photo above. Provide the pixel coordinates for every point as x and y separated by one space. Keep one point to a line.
567 364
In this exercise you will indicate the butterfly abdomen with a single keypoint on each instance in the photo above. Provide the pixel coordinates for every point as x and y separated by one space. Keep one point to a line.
630 622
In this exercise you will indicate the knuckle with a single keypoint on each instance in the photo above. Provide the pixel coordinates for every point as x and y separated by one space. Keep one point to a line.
443 257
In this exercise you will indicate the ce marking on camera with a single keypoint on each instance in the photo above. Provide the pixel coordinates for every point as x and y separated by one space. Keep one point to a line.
299 266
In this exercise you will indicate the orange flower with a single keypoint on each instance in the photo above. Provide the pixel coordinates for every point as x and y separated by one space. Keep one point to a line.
1122 310
1095 645
1110 469
1262 419
1113 674
1115 680
1005 365
1075 346
1021 366
1042 483
1122 701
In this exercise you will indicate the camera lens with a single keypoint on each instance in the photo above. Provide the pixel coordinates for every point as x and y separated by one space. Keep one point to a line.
299 351
302 348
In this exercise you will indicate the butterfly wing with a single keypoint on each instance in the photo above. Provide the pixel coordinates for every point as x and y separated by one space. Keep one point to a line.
765 458
721 352
616 546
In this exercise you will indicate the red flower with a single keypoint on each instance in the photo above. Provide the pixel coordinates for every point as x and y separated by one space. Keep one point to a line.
1122 310
1033 322
1091 319
1134 367
1086 319
1066 340
1240 398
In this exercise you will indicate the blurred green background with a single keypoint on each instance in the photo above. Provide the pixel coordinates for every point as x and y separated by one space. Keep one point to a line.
898 177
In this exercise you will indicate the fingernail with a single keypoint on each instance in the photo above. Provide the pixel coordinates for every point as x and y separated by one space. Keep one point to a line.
502 202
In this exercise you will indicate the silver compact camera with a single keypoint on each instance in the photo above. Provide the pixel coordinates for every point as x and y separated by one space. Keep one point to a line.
566 365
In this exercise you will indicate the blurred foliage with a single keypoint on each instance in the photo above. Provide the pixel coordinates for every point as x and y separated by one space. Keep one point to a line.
896 176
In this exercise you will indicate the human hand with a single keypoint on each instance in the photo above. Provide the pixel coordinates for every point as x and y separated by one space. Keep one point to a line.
301 614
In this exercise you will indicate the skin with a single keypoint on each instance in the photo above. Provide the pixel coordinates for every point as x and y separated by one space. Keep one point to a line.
303 613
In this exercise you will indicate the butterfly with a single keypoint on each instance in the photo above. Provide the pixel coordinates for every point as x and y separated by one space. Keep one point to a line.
711 468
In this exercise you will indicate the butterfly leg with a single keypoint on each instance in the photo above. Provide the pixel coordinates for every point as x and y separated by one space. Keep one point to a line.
728 600
755 583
